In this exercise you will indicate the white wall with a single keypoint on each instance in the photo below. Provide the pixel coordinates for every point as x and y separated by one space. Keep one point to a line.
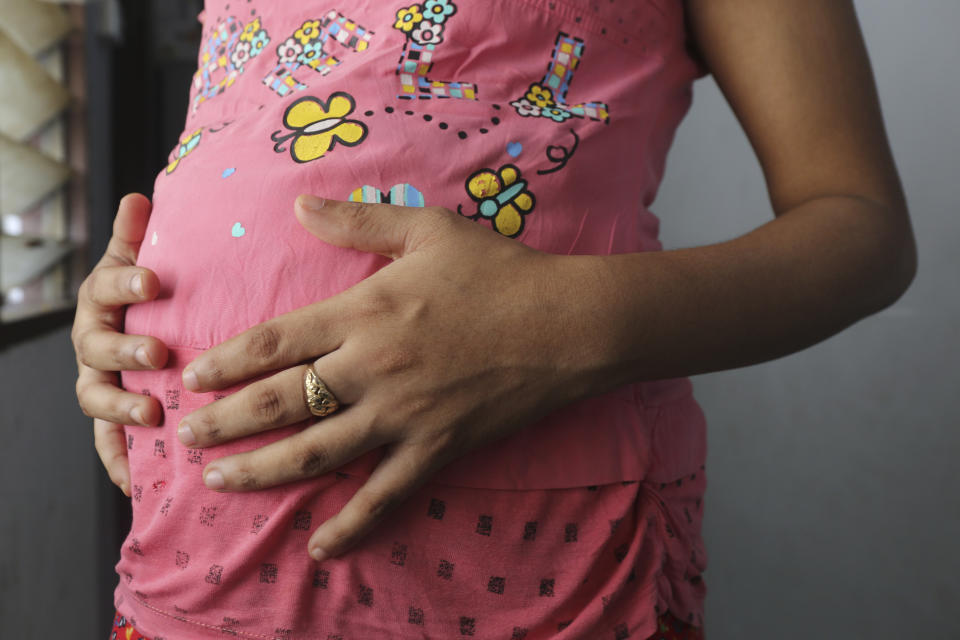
833 506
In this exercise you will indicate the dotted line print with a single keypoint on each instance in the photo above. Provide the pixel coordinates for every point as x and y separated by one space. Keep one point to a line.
619 35
222 126
253 12
442 124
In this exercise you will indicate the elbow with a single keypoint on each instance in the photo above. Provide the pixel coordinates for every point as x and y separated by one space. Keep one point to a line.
900 261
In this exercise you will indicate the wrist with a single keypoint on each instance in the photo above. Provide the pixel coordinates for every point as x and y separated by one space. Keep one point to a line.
580 305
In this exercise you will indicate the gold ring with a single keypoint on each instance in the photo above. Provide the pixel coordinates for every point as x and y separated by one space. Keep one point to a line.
318 397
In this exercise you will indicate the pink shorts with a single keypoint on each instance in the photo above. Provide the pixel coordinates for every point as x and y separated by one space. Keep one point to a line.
584 562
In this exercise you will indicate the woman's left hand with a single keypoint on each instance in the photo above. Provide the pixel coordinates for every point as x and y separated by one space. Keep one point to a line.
466 337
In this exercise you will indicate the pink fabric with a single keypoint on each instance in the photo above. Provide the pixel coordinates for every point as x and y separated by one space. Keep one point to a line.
571 170
584 562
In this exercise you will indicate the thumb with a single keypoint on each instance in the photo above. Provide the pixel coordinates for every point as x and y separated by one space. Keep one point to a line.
388 229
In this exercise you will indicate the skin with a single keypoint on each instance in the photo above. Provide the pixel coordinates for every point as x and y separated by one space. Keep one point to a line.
431 358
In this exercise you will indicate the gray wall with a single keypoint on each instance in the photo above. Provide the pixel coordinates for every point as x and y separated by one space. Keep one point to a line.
833 506
48 479
832 509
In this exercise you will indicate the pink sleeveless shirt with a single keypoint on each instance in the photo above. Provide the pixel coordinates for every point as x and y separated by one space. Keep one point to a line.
547 121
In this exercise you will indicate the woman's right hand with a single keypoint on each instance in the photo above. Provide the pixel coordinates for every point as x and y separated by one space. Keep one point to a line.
103 349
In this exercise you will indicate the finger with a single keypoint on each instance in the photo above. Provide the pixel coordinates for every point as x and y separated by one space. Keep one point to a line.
321 448
284 341
400 472
111 445
267 404
110 287
129 228
388 229
108 350
101 398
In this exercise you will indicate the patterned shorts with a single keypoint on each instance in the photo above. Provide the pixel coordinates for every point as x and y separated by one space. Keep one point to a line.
668 628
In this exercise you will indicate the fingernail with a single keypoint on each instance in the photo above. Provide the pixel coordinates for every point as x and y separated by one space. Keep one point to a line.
126 491
142 357
213 479
185 433
311 203
137 416
190 379
136 284
318 554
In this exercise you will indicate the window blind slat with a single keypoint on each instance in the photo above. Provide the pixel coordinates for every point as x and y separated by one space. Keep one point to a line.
31 98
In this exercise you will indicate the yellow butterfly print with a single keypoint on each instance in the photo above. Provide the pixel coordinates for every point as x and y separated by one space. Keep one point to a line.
317 126
187 144
501 196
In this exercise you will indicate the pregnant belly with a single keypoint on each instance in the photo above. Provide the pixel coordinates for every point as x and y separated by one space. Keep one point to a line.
228 250
230 254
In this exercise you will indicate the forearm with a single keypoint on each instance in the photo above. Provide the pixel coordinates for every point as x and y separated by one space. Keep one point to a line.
788 284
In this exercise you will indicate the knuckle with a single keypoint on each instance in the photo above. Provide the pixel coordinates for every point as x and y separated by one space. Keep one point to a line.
75 333
393 361
376 504
247 479
312 458
99 445
213 374
206 426
117 353
362 216
119 257
268 406
265 342
115 463
87 287
416 406
84 288
82 346
373 304
83 401
437 215
415 310
114 476
372 424
438 220
94 288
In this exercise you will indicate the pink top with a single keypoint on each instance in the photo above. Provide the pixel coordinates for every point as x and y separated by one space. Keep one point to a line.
546 120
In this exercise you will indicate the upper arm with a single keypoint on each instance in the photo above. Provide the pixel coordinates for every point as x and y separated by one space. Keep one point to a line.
797 76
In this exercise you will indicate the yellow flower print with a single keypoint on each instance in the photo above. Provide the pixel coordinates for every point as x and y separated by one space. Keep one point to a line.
408 18
250 30
309 32
501 197
317 126
540 96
